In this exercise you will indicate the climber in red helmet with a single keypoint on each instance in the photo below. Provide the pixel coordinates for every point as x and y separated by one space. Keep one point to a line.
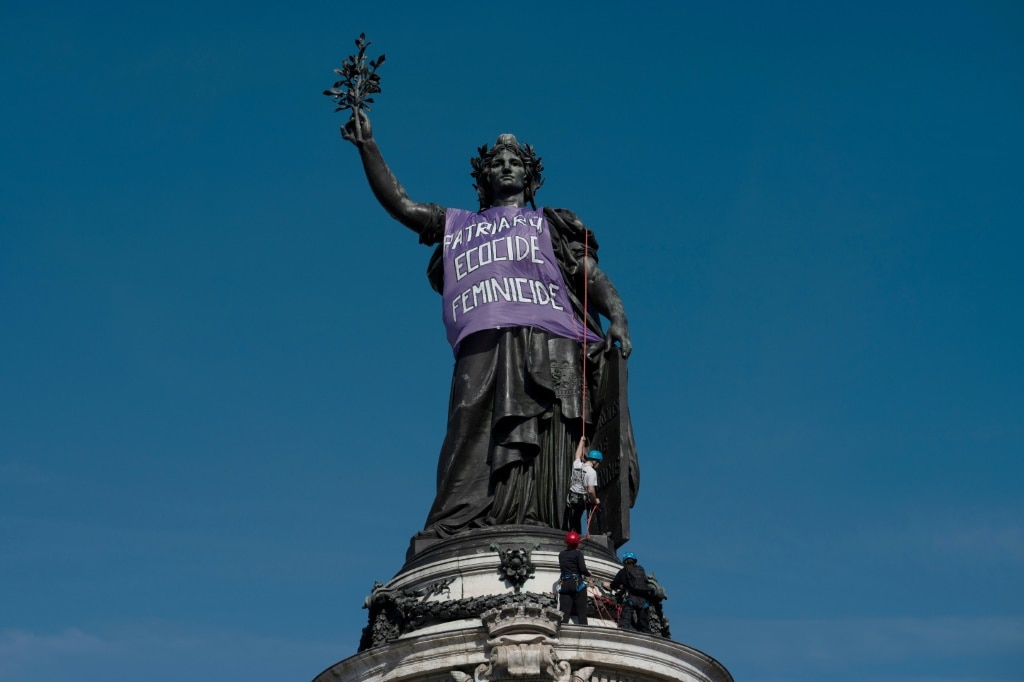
572 588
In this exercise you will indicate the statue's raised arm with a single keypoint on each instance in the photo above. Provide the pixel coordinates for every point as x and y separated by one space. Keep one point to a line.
386 187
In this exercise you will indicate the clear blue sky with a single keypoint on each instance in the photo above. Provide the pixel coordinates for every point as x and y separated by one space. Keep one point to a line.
218 427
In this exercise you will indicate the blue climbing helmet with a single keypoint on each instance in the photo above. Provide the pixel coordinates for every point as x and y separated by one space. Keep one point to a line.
596 456
627 556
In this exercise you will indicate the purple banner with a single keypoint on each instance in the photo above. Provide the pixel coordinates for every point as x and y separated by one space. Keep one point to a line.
500 271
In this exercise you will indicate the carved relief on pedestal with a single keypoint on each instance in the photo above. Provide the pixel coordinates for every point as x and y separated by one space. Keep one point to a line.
521 642
516 565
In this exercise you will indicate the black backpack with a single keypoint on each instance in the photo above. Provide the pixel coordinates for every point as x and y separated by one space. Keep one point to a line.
636 580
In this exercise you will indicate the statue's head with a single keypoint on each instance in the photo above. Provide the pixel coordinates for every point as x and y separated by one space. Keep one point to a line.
531 162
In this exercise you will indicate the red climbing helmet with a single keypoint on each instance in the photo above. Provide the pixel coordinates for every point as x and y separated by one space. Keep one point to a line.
572 538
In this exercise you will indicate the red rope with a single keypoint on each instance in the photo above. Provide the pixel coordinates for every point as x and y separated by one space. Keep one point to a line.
583 382
586 288
601 603
590 519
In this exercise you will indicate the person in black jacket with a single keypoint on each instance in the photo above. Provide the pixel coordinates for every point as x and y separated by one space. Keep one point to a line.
572 589
632 580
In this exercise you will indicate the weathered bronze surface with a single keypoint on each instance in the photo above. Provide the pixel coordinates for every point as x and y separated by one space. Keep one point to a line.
517 406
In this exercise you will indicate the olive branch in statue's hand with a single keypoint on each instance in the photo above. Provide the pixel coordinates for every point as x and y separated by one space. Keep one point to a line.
359 80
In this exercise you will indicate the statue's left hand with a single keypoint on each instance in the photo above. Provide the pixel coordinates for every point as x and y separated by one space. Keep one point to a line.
617 337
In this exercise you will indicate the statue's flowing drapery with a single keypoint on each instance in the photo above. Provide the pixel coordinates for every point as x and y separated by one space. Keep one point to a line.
514 415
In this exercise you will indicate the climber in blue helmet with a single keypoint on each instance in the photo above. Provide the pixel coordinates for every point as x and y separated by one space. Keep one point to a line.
636 590
583 492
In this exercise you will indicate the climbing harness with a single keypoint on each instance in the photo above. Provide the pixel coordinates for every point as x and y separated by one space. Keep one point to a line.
574 577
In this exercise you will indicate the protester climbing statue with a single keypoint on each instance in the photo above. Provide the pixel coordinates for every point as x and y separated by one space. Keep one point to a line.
522 297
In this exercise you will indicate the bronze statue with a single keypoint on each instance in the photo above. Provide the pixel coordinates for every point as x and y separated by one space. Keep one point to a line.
515 282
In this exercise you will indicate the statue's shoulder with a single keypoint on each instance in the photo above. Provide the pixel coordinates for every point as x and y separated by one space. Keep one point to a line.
562 215
568 226
565 222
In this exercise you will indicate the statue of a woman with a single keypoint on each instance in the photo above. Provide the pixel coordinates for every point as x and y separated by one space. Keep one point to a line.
513 281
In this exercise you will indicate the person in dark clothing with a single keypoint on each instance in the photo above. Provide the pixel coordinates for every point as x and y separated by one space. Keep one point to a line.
572 589
632 580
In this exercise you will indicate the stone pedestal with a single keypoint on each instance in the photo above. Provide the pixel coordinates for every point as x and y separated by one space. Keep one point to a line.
481 607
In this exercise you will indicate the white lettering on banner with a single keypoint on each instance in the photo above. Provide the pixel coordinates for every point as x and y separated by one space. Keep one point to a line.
504 249
485 229
511 289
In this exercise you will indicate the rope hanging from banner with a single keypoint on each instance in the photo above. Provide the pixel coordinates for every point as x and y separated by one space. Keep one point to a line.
586 287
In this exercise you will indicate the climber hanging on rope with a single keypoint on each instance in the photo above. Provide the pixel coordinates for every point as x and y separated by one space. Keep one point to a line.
583 492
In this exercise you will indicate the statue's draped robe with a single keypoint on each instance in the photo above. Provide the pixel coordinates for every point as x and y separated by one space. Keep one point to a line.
515 407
